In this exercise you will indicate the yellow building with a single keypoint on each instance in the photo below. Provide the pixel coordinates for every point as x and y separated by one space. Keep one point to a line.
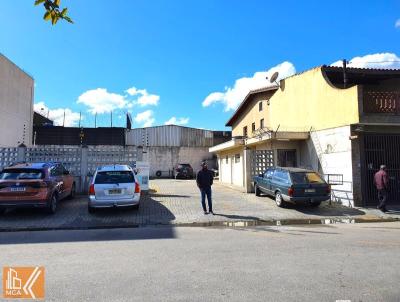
343 123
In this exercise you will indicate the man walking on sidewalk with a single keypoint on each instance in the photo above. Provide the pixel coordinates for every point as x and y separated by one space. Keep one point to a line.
204 181
381 183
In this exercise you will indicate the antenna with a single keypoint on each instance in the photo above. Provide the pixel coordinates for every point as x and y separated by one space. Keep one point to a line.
273 78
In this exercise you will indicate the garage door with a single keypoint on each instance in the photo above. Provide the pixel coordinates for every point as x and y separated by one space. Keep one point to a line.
382 149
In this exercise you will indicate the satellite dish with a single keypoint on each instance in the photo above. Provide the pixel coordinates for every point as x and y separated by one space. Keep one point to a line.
274 77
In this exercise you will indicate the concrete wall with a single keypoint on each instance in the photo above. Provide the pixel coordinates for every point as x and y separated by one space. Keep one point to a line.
165 158
307 100
329 151
16 99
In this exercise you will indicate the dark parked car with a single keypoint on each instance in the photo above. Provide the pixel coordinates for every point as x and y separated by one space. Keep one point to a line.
35 185
292 185
183 171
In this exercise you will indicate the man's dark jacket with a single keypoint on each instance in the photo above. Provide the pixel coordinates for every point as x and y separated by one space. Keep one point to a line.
204 179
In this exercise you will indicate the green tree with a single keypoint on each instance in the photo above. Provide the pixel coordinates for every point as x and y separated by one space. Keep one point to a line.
53 11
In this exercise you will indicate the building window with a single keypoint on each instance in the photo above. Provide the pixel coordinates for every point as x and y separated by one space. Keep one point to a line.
262 123
237 158
253 127
260 106
287 158
226 159
245 131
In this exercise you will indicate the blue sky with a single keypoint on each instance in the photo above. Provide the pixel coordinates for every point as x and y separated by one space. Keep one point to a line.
188 60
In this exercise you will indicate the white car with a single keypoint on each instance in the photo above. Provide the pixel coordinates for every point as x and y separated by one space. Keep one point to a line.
114 186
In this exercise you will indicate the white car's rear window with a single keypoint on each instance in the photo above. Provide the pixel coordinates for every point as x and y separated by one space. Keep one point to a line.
112 177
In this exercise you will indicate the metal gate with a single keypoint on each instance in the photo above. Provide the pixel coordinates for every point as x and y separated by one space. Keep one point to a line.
262 159
382 149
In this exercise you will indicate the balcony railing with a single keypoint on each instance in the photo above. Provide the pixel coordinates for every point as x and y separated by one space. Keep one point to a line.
382 102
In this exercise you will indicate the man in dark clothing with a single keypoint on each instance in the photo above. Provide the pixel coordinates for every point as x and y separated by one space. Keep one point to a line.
204 181
381 183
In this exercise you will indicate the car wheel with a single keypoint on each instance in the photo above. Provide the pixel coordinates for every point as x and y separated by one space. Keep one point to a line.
52 205
91 210
315 204
158 173
279 200
73 192
257 190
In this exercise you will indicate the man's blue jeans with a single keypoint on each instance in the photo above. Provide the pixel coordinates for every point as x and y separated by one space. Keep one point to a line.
204 192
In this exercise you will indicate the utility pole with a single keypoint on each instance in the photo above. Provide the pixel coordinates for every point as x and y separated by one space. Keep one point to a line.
345 81
64 118
80 118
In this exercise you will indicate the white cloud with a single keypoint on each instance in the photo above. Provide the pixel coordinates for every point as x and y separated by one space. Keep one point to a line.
397 24
101 101
233 96
57 115
145 118
378 60
177 121
145 98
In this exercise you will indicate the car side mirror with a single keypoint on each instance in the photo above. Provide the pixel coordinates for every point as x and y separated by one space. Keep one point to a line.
66 172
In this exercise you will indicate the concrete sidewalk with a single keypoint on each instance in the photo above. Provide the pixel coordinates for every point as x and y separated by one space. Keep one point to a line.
177 202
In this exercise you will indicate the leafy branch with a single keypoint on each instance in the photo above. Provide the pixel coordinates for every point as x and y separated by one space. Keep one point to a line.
53 11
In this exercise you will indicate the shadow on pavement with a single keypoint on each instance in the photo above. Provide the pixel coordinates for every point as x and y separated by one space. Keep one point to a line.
73 214
87 235
327 210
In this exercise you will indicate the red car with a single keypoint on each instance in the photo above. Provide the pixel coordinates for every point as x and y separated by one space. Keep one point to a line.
35 185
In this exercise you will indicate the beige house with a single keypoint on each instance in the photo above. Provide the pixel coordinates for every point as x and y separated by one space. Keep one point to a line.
316 121
16 99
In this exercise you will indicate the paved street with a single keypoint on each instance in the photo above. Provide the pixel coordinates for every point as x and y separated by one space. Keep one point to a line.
178 202
357 262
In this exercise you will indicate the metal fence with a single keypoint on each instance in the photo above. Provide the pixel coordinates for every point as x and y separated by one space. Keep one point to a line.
80 161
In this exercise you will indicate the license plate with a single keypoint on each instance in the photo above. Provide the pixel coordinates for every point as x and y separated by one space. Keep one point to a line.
309 190
115 191
18 189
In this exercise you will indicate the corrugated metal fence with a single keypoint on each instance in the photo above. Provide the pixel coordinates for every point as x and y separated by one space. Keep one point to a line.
169 136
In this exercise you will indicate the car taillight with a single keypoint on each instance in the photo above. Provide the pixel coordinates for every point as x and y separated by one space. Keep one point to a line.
91 190
137 187
328 190
291 191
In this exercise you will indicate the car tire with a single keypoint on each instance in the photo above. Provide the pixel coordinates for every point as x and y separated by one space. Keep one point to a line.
73 192
52 205
91 210
158 173
257 190
279 200
315 204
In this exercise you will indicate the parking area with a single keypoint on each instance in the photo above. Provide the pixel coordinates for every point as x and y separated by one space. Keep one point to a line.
178 202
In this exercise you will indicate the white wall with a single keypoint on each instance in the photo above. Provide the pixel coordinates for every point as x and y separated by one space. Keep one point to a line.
16 101
165 158
334 148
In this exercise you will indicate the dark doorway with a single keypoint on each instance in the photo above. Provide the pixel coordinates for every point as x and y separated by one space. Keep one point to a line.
287 158
381 149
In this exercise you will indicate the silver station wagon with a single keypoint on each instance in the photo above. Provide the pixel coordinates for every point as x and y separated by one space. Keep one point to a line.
114 186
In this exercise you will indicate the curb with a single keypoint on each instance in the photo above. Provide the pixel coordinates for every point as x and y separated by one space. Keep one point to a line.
228 224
